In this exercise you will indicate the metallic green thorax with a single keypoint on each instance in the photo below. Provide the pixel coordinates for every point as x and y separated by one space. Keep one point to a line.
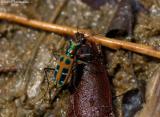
72 49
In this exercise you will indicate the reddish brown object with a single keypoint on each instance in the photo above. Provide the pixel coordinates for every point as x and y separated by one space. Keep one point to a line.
99 39
7 69
92 97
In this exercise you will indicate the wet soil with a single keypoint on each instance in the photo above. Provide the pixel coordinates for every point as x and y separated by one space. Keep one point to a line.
26 92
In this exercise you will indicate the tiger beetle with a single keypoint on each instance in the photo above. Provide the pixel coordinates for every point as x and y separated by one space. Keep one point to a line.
63 72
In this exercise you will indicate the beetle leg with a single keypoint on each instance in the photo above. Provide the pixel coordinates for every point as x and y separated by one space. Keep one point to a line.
46 70
85 58
56 94
82 57
81 62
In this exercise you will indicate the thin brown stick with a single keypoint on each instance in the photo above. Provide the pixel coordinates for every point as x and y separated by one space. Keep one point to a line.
108 42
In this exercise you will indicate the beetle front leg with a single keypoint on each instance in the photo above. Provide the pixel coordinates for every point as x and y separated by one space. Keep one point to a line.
46 70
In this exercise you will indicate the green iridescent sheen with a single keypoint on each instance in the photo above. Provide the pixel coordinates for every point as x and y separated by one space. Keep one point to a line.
72 48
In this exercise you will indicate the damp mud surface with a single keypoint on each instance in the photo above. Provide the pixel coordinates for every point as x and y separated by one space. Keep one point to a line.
26 92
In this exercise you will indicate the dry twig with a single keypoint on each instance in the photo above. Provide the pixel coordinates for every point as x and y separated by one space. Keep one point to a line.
108 42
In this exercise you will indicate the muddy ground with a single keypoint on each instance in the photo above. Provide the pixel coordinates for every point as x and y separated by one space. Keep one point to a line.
26 91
